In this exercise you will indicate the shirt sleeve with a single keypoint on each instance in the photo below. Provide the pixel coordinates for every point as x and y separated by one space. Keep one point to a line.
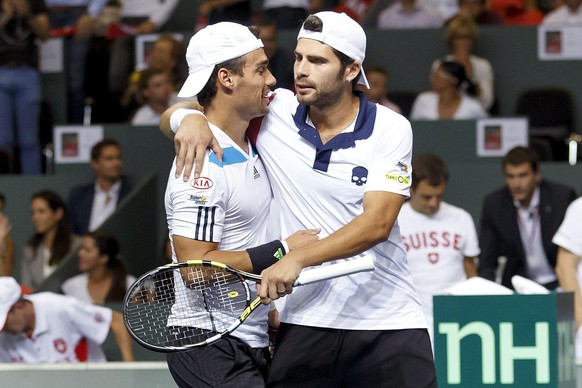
92 321
199 205
569 234
390 165
471 246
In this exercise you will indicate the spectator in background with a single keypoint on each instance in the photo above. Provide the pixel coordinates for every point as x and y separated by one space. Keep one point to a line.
440 239
409 14
21 23
519 220
156 93
518 12
452 96
140 17
569 13
280 60
91 204
356 9
568 238
477 11
290 14
73 20
46 327
103 278
461 34
215 11
378 80
52 240
6 242
166 53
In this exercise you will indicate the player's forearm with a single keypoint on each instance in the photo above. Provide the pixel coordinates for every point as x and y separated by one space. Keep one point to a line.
357 236
122 337
566 270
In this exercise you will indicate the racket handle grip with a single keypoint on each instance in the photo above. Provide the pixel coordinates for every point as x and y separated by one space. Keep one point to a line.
327 272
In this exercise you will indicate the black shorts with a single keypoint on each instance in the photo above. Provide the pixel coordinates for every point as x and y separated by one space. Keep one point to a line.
227 363
319 357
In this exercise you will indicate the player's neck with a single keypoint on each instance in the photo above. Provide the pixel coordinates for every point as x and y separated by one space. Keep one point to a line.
335 118
230 123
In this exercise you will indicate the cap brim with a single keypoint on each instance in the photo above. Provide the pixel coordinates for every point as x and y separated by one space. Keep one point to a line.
363 80
195 82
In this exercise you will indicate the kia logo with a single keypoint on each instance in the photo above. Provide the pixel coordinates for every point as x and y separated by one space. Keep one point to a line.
201 183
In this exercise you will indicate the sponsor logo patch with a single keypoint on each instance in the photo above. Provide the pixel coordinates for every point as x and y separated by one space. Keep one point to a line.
201 183
198 199
256 173
403 167
402 179
60 345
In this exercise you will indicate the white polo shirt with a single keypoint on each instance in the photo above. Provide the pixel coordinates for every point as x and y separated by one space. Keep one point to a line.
436 247
322 186
228 204
61 321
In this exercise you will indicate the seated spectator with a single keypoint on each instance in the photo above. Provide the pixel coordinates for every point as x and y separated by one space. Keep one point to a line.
568 238
409 14
46 327
452 96
569 13
136 17
213 11
378 79
93 203
52 240
519 220
103 277
6 242
156 94
461 34
281 60
440 239
477 11
518 12
167 53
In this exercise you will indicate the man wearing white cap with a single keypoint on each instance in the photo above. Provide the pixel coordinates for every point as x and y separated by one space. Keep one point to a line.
46 327
337 162
224 211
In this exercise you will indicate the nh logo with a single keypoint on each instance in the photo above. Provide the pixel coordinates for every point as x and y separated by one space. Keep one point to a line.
503 349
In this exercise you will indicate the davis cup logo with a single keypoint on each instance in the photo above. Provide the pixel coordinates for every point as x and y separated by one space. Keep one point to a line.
201 183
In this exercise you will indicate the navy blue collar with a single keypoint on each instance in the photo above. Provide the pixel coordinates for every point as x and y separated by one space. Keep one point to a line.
362 130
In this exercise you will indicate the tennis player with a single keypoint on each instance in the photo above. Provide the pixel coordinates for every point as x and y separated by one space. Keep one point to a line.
337 162
226 208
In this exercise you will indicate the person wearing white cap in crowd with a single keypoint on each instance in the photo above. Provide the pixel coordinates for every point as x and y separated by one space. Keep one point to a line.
337 162
225 211
46 327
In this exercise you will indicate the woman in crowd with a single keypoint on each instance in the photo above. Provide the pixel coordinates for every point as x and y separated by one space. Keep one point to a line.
104 277
452 96
52 240
461 34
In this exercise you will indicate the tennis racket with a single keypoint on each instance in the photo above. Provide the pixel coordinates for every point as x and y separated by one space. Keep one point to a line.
195 303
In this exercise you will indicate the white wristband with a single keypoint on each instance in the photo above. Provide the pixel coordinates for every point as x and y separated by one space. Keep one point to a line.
179 114
285 245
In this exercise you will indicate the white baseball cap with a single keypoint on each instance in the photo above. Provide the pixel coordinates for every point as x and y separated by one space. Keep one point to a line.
10 293
214 44
343 34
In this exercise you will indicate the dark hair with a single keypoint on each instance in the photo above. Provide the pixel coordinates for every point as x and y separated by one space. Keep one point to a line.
520 155
108 245
457 71
98 147
144 78
63 239
2 199
430 168
235 66
315 24
265 21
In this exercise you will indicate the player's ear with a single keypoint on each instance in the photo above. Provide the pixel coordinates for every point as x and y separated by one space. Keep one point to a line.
352 71
225 78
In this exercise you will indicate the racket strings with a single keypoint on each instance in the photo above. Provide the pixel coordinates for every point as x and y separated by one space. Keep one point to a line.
186 306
